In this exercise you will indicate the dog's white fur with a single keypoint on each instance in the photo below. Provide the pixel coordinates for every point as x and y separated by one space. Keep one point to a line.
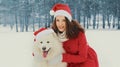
54 48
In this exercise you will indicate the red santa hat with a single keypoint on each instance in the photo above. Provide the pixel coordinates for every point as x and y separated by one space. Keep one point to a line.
42 32
61 9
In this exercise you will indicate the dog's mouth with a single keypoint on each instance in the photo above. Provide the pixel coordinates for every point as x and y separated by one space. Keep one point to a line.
45 53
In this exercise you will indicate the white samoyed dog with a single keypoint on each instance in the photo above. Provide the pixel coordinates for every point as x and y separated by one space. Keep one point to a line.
48 50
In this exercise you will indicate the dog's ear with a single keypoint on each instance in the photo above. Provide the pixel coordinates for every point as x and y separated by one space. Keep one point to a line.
55 35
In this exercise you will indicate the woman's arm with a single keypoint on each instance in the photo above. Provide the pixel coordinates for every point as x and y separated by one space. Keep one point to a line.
82 48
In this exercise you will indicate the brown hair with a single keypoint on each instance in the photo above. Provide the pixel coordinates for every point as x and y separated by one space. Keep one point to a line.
72 28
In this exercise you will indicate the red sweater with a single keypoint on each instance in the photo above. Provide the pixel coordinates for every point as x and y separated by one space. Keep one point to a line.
79 53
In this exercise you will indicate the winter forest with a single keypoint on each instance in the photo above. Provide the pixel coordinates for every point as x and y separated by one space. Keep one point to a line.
29 15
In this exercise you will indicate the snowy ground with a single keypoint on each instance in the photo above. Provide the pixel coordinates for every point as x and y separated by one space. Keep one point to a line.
107 45
16 48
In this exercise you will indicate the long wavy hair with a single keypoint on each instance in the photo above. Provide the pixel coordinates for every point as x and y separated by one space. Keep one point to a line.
72 28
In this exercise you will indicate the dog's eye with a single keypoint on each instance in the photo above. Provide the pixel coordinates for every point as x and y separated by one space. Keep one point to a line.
48 41
41 42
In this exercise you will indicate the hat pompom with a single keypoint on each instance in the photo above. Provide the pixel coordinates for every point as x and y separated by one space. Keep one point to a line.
52 12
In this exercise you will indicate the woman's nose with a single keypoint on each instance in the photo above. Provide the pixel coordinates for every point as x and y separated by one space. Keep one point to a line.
60 23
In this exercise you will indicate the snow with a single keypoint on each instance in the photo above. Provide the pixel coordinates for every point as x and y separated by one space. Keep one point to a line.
16 48
107 45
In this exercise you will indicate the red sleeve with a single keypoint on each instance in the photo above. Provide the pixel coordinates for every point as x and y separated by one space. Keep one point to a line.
82 48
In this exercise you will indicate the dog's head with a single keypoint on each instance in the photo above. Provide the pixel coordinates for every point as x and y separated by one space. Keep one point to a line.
48 46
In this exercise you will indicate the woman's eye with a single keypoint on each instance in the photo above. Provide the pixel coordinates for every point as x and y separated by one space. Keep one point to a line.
48 41
57 20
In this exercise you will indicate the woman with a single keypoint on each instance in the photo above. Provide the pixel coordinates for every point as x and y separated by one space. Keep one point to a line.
72 35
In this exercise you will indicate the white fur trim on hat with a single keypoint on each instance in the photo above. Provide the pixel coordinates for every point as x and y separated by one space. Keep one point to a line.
44 33
63 13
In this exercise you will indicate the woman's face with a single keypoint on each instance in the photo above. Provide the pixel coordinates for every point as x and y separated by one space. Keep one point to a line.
61 23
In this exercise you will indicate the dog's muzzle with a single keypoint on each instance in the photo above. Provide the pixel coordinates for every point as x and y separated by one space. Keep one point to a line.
45 52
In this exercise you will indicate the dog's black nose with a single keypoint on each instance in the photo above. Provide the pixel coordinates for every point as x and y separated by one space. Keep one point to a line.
44 48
